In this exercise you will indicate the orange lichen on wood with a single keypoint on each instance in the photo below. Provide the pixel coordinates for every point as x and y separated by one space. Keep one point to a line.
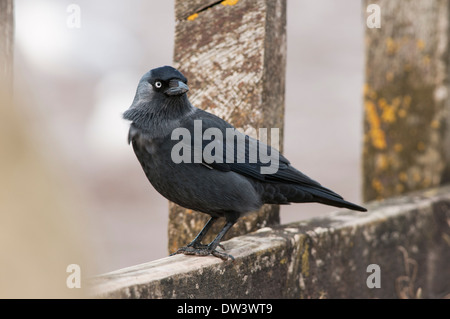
388 114
420 44
398 147
435 124
377 185
375 131
229 2
382 162
391 46
192 17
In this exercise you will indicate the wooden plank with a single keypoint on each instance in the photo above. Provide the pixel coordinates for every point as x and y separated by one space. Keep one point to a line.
403 245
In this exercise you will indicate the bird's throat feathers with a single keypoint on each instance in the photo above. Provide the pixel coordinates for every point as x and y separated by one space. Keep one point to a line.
159 117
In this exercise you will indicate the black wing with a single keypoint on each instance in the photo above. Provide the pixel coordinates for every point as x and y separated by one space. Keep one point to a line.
226 149
243 154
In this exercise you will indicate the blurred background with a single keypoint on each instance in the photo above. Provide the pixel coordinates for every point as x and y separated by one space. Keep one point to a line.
72 85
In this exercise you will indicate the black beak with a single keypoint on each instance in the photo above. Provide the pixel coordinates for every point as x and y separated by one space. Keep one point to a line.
176 87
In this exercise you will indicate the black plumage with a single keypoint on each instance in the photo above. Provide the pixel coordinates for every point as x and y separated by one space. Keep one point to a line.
229 185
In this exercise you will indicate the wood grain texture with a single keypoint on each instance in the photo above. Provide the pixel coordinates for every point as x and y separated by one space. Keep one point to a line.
234 55
406 99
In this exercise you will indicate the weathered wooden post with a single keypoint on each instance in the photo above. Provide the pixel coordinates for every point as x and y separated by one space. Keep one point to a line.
233 52
6 45
406 98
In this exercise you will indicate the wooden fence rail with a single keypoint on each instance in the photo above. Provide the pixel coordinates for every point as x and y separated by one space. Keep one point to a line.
404 241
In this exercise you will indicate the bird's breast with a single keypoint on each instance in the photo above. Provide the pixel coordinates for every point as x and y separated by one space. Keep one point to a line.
194 185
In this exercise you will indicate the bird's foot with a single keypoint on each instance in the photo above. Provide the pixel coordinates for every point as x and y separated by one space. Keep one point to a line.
202 250
202 246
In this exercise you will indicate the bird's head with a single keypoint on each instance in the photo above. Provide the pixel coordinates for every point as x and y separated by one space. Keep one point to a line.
165 80
161 93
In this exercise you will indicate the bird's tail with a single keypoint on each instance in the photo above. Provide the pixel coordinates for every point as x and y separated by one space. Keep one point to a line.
328 197
340 203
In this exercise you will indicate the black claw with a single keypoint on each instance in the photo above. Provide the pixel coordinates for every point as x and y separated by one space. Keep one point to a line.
222 256
203 246
202 250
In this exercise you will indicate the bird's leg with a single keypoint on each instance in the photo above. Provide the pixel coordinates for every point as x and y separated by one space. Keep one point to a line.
198 249
216 242
197 242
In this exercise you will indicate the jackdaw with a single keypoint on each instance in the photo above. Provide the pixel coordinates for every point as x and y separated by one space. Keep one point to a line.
226 181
